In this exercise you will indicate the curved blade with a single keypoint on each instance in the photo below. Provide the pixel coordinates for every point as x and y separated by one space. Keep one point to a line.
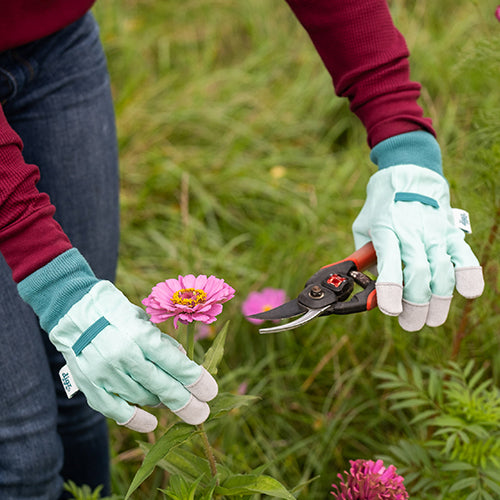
308 316
284 311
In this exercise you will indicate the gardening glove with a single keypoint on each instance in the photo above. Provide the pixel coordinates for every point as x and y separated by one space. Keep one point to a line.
114 354
408 218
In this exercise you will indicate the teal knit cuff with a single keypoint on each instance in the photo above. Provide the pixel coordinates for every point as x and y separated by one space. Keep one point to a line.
53 289
413 148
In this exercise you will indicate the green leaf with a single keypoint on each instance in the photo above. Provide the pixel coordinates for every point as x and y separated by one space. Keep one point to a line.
403 375
447 421
475 495
408 403
495 487
493 474
248 484
215 354
390 385
407 394
180 489
457 466
476 378
478 431
173 437
417 377
302 485
468 368
82 492
185 463
386 375
226 401
462 484
450 443
435 386
424 415
423 483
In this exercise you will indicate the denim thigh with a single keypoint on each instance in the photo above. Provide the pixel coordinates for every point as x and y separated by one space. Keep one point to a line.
56 95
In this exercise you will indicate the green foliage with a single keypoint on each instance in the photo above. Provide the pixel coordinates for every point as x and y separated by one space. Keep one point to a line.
214 355
192 476
453 451
85 492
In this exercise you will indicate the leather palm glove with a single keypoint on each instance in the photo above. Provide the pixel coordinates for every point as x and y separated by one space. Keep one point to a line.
117 358
421 256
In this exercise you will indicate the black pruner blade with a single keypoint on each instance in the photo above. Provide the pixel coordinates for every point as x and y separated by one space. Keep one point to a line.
284 311
288 310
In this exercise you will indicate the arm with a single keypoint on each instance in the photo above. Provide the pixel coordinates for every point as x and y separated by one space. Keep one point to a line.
367 58
110 346
29 236
421 256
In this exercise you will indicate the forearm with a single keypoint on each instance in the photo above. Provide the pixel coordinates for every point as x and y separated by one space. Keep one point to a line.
29 235
367 58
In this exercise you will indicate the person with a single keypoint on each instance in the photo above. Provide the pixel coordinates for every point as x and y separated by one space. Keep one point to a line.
59 232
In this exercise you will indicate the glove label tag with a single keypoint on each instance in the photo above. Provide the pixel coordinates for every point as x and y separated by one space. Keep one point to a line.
67 381
462 220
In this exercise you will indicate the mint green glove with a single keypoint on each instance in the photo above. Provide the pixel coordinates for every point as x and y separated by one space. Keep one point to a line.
115 355
407 216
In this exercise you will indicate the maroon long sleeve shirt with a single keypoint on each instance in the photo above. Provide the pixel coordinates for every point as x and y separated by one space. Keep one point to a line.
356 39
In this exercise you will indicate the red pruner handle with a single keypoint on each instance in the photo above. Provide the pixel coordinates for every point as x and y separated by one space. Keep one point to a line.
371 300
363 257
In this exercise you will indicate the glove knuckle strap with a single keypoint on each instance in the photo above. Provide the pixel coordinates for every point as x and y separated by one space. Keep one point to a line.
406 196
90 334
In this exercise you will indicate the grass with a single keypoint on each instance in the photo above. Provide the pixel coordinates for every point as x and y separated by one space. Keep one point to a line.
238 160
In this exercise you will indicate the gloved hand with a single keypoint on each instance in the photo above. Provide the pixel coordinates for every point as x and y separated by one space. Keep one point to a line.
407 216
115 355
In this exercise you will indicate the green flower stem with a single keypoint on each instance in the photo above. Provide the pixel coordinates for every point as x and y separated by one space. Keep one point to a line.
206 444
208 450
190 340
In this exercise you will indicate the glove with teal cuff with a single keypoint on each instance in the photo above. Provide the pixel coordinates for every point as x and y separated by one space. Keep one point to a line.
421 255
116 356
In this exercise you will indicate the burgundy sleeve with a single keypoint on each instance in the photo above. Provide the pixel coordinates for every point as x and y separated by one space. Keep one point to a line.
29 236
367 58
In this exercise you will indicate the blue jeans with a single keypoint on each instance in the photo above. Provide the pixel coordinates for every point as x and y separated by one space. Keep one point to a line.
55 94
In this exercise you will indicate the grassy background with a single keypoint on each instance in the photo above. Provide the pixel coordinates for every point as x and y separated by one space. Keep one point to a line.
238 160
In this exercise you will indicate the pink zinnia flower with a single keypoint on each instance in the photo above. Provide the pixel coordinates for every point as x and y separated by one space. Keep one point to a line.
187 299
497 13
369 480
258 302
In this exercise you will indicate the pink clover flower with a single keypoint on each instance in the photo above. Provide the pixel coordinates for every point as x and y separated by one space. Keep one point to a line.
369 480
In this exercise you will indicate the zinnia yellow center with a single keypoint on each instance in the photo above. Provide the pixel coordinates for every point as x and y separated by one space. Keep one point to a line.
189 297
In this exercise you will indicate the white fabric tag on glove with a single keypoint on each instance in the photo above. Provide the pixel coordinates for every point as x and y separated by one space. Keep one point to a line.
462 220
67 381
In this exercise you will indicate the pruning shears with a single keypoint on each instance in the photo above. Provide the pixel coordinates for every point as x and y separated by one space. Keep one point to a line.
328 291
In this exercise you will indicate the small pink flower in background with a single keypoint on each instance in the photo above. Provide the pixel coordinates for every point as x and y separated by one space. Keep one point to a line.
497 13
188 298
258 302
204 331
243 388
369 480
